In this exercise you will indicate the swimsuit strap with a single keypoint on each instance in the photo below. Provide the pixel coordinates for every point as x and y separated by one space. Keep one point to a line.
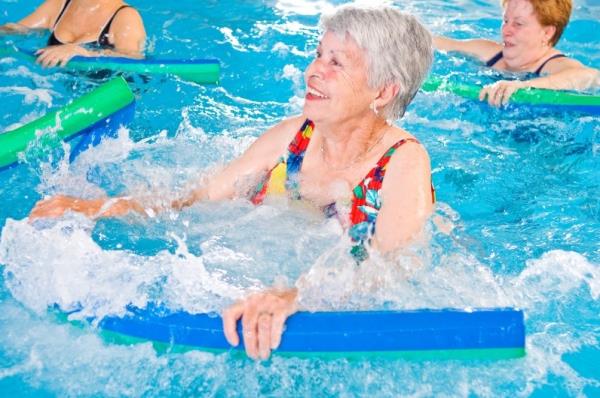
53 40
291 164
366 202
492 61
539 70
103 38
283 177
295 157
61 14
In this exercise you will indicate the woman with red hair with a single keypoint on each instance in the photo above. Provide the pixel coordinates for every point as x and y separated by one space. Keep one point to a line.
530 30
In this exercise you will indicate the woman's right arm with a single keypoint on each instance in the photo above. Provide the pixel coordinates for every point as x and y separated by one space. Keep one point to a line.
42 18
260 157
479 48
57 205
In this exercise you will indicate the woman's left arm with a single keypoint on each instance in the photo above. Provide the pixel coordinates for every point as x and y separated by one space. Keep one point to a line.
564 74
406 198
129 37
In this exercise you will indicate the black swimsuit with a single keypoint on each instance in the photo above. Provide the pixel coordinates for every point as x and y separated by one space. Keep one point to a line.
492 61
102 40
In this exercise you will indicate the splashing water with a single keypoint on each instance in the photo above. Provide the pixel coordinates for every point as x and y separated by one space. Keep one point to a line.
515 225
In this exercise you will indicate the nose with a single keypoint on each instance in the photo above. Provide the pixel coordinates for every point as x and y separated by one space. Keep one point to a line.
506 29
315 68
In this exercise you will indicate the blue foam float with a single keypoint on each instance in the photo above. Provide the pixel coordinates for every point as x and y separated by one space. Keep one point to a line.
424 334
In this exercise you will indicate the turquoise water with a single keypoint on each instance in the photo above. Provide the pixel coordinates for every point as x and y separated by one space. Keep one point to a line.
516 223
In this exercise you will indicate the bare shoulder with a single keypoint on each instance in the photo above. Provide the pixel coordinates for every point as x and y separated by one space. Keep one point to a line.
284 130
409 162
44 16
128 31
128 15
275 140
560 64
128 18
410 153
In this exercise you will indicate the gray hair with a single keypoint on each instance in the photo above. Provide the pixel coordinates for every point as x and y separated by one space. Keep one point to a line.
398 48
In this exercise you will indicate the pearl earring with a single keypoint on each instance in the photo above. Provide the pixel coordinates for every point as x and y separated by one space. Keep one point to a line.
374 108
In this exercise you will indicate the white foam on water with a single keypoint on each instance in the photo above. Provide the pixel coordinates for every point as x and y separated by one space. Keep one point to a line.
223 251
232 39
40 95
61 264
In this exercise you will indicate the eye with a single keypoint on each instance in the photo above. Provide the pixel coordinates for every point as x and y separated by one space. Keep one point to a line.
318 54
335 62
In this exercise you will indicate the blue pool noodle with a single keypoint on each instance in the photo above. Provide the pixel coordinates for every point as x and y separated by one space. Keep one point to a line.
341 332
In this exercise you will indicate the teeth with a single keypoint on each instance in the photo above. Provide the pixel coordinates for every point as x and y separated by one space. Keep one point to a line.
316 93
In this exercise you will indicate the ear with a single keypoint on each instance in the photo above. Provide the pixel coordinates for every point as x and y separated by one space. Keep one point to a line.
549 32
386 95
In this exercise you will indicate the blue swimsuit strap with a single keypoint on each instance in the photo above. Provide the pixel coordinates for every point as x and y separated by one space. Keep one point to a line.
492 61
539 70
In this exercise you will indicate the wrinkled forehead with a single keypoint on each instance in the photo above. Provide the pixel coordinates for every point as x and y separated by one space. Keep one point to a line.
342 43
519 8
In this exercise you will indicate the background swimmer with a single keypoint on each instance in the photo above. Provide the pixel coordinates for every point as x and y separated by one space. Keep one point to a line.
530 30
86 28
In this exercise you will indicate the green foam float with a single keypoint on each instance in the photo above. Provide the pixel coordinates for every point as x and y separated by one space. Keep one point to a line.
531 96
104 108
202 71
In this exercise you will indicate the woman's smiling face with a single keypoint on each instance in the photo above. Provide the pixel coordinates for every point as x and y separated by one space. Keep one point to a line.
336 81
524 39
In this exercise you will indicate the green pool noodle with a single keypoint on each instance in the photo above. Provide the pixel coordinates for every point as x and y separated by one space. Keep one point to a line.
63 123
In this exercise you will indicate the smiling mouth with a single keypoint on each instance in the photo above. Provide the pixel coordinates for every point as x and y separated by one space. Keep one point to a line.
315 94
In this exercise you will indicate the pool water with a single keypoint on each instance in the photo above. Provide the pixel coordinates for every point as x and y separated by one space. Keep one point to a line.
516 223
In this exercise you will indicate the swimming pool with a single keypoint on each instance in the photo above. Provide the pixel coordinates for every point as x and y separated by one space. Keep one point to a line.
516 223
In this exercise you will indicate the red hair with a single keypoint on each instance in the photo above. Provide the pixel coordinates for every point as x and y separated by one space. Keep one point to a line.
551 13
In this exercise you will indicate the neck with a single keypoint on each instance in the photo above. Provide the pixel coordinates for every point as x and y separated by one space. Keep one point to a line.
346 144
518 65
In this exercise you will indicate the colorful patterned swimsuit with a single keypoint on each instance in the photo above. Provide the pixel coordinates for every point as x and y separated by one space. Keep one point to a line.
366 200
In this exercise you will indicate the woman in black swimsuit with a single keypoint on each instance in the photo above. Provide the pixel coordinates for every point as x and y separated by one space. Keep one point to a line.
530 30
88 28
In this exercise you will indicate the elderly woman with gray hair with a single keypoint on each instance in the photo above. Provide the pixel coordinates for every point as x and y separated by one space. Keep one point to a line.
342 154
